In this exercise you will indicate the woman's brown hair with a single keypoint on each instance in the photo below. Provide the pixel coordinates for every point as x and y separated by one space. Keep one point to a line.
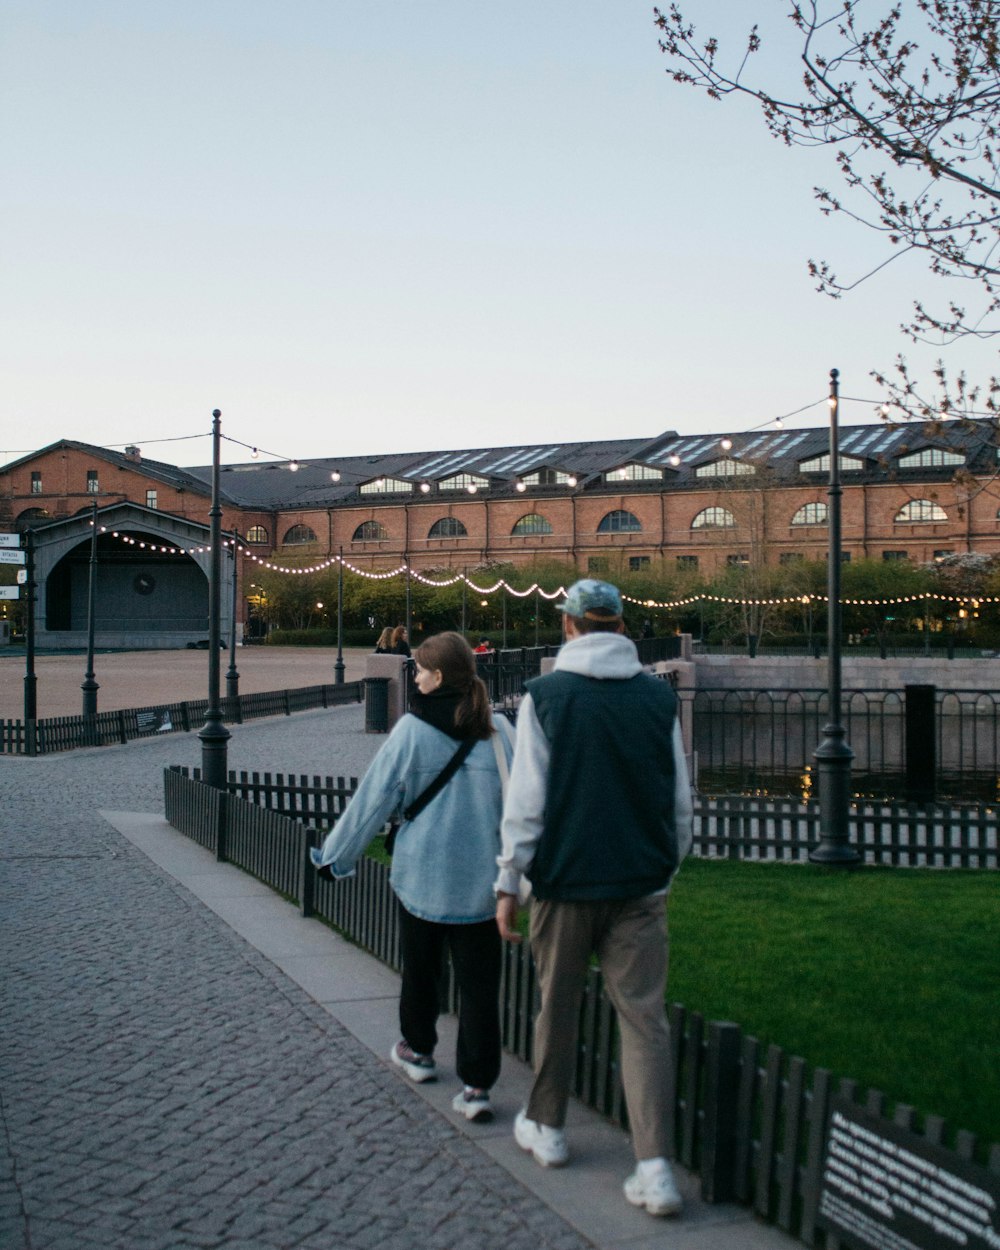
450 653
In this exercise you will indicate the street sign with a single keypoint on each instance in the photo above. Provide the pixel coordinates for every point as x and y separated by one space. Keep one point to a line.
9 592
10 540
9 556
22 576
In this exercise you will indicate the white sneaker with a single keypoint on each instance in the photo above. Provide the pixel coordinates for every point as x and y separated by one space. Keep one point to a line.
546 1144
652 1186
418 1068
474 1104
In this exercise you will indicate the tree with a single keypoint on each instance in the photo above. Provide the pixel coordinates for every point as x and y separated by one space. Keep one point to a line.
910 103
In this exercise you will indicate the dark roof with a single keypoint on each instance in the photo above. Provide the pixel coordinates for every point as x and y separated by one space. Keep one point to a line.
169 474
274 484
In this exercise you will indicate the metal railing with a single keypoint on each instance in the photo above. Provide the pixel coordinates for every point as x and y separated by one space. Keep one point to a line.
762 741
64 733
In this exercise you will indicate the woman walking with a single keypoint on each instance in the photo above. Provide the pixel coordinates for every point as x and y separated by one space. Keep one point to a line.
444 861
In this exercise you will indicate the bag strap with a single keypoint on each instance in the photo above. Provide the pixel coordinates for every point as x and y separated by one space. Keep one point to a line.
498 751
441 780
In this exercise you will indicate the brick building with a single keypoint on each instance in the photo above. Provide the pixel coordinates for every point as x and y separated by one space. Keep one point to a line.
693 501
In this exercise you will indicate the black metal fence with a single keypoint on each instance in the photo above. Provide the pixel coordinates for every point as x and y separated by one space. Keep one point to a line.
506 671
64 733
753 1124
920 742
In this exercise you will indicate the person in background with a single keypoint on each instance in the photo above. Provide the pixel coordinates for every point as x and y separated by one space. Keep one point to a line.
598 817
400 641
384 644
485 647
443 863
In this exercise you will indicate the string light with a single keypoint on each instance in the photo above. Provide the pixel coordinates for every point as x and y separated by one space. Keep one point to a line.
973 603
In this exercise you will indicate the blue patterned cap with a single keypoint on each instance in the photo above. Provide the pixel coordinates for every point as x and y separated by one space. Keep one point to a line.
593 600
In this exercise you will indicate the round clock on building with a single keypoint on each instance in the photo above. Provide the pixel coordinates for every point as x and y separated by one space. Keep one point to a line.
144 584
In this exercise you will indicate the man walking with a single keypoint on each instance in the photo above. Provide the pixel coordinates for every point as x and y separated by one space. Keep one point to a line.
598 817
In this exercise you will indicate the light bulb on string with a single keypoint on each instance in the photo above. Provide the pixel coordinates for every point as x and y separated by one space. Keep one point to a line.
335 475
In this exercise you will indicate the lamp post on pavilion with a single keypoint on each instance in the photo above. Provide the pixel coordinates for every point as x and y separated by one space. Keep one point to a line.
90 685
214 735
833 756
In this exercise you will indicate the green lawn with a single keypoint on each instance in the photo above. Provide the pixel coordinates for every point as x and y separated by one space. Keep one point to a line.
889 976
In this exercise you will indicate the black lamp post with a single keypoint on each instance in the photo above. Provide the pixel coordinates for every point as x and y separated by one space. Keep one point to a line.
338 667
232 674
214 735
90 686
409 627
833 756
30 680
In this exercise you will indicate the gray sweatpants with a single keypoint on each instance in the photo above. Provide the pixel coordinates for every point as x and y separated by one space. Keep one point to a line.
629 938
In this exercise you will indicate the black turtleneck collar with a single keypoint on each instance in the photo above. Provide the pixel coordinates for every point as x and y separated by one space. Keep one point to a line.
438 709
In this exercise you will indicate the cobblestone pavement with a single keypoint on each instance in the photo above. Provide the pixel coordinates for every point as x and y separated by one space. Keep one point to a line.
162 1085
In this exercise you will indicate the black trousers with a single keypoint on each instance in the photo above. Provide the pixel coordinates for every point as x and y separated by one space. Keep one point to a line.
475 956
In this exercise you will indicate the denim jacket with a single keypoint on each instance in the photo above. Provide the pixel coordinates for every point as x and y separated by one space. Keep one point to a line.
444 860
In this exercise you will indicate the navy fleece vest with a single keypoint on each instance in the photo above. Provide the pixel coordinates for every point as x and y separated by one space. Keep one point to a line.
609 830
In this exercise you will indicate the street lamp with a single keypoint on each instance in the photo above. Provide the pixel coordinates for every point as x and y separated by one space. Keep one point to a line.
232 675
338 668
90 686
214 735
833 756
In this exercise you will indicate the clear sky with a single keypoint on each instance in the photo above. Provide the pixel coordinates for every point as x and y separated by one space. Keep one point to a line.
363 227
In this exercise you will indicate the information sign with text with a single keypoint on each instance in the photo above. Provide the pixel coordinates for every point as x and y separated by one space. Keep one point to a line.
885 1188
10 540
9 556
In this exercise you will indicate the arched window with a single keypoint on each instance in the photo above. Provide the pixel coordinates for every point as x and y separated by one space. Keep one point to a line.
811 514
299 534
714 519
257 534
920 510
369 532
619 522
532 523
34 514
448 527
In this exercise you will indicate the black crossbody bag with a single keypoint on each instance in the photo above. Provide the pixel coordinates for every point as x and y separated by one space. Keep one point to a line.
420 802
436 786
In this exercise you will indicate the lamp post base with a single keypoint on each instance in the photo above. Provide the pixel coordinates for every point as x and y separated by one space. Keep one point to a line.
338 671
214 753
833 767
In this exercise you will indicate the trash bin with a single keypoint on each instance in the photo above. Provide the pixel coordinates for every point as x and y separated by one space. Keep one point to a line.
376 705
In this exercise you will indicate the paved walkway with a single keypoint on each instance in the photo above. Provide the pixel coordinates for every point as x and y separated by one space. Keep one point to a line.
185 1062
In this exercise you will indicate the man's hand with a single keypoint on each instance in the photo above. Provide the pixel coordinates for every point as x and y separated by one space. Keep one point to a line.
507 917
